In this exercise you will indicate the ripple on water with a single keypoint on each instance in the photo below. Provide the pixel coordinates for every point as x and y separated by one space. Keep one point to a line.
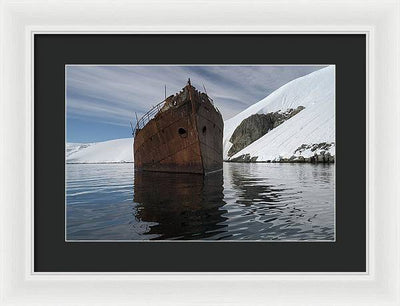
244 202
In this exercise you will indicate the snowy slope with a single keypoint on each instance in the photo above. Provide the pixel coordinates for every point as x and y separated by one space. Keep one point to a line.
315 124
112 151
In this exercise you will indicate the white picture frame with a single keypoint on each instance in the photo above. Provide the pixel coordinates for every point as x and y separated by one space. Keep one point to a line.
379 20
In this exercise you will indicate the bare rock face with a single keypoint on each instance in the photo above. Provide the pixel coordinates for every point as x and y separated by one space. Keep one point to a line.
320 152
256 126
315 146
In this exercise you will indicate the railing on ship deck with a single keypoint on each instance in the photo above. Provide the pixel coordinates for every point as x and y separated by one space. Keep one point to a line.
149 115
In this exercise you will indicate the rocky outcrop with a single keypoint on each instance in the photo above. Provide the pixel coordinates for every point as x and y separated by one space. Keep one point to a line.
314 147
322 157
256 126
306 153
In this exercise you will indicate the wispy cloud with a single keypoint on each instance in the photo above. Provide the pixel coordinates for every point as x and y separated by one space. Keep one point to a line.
112 94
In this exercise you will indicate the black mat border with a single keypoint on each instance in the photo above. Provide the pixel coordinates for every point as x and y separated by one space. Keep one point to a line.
53 51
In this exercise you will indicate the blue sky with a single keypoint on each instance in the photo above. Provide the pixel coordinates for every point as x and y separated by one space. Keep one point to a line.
101 100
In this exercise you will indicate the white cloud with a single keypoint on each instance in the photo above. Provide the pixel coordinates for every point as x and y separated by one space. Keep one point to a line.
114 93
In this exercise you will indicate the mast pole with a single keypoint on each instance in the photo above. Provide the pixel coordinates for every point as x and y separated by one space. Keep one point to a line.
137 121
131 127
205 90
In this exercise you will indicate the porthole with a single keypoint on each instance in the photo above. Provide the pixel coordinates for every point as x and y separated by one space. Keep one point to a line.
182 132
204 129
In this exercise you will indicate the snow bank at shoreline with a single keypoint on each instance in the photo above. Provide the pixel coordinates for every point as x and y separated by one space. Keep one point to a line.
111 151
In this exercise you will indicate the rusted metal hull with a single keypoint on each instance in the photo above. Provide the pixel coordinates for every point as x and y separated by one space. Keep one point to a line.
185 136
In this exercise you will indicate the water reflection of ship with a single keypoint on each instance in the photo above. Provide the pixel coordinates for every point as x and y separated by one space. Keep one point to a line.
182 206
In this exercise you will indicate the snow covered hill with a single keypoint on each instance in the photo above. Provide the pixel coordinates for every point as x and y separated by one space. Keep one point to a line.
112 151
310 131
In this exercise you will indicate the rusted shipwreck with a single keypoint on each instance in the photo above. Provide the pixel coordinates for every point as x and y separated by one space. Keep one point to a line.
181 134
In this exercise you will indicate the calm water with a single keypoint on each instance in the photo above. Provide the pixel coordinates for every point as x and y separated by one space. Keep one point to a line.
245 201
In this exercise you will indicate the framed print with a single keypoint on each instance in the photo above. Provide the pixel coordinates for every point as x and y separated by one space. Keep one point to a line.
200 173
207 161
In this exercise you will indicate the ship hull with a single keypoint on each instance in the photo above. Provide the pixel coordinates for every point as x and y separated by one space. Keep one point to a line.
185 139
